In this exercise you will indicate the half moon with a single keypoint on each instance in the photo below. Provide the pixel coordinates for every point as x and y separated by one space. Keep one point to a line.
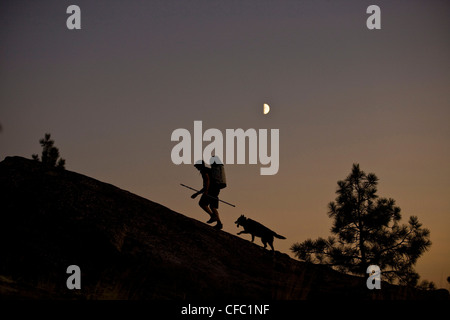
266 108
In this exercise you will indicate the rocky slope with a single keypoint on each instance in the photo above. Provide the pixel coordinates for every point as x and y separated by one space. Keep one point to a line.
128 247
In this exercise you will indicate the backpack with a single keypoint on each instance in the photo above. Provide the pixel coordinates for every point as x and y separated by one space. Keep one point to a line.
218 175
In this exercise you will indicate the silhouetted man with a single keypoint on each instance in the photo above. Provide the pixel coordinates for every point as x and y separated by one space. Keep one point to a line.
209 201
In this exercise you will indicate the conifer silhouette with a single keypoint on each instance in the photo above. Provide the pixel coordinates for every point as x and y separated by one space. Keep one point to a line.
366 231
50 153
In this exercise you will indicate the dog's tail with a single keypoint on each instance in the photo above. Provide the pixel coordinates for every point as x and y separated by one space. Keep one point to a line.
278 236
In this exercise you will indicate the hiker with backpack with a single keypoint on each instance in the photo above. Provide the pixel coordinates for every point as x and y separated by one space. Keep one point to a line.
213 181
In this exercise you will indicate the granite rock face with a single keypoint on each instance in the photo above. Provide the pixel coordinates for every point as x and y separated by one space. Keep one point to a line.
128 247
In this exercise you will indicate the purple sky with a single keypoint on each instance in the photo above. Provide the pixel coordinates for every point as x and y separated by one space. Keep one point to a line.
112 93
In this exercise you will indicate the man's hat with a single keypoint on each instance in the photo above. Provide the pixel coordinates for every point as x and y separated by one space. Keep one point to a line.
199 164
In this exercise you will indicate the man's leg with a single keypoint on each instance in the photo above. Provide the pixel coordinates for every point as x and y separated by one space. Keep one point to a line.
216 215
214 205
204 204
211 213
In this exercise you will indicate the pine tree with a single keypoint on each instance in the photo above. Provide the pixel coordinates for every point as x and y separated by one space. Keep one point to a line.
366 231
50 153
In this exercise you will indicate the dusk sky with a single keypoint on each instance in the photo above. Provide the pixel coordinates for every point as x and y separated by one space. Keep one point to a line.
112 93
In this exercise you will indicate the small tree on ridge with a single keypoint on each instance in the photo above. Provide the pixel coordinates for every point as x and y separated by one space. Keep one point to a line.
366 231
50 153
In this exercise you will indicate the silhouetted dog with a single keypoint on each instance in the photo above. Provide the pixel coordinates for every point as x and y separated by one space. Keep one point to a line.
258 230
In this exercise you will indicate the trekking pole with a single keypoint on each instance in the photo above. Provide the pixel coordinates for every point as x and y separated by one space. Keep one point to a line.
208 195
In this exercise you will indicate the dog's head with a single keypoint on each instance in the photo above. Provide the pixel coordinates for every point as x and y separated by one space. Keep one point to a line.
241 220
